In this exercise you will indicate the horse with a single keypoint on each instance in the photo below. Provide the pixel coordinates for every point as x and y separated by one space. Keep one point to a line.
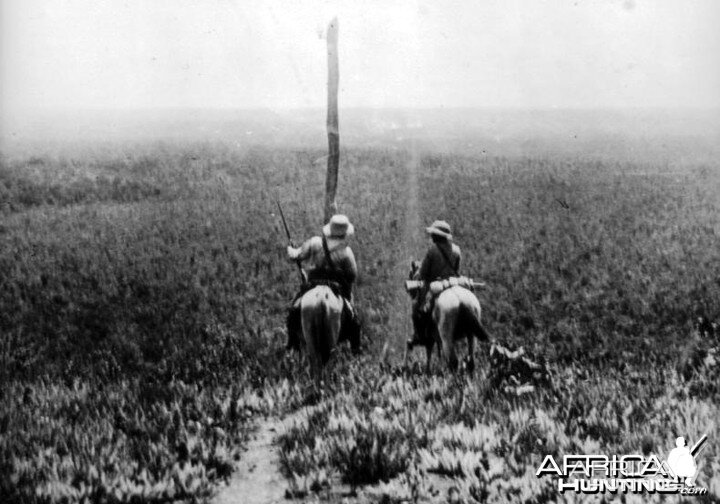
321 312
455 315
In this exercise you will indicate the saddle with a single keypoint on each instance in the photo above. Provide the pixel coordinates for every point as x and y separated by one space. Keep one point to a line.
334 285
438 286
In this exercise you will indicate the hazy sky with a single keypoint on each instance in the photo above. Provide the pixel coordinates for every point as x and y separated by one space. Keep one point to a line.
401 53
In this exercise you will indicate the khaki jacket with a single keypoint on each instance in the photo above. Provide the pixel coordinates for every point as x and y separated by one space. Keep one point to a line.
436 267
313 260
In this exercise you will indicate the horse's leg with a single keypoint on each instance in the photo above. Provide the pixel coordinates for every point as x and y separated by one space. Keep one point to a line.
452 357
446 329
428 353
469 325
408 348
309 329
315 364
413 340
333 324
300 363
317 373
470 362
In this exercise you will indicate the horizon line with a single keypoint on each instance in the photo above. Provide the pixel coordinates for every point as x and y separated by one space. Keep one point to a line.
512 108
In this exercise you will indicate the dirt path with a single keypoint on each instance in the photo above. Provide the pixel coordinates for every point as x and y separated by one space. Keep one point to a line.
257 479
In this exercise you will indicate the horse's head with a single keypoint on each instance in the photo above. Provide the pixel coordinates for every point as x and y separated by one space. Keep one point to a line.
414 275
414 270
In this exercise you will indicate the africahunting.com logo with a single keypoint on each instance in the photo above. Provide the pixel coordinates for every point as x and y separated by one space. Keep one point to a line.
594 474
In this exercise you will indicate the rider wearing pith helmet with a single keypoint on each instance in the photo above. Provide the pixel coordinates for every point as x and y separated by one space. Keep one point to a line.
326 258
338 264
442 261
337 232
440 228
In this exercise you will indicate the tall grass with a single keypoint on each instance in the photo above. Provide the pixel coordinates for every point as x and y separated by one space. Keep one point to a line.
148 283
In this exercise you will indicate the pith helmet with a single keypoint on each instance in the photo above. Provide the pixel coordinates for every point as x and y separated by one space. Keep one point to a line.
440 228
339 227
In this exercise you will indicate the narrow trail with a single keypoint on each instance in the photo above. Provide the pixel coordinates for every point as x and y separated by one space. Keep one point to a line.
257 479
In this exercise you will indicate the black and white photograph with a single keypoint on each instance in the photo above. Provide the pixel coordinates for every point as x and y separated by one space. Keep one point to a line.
359 252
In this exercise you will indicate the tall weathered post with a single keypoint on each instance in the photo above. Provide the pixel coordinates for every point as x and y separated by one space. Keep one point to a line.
333 130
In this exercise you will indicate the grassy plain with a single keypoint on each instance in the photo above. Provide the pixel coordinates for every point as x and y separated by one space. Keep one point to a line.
144 291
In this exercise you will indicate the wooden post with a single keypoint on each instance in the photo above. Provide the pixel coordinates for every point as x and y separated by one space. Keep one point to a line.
333 130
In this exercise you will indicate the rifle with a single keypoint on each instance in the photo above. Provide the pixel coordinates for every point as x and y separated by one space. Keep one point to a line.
438 285
303 280
698 446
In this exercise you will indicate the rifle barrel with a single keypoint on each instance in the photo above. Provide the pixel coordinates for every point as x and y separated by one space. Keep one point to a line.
287 232
698 446
282 216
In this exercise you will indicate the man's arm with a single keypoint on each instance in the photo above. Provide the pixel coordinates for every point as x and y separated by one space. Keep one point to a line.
425 266
350 266
303 252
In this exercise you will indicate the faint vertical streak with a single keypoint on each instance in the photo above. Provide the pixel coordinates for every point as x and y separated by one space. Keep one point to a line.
413 208
410 246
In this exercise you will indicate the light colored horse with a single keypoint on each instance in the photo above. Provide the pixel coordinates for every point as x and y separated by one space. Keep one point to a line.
456 315
321 315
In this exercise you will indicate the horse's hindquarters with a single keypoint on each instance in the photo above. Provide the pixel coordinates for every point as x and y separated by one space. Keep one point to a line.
457 315
454 297
321 312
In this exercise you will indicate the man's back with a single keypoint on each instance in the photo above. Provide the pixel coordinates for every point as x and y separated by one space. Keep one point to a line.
315 261
314 258
440 263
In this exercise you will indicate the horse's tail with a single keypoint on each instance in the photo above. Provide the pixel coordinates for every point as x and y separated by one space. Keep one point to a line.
472 322
322 328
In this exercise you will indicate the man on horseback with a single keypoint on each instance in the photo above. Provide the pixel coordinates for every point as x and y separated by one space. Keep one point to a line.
327 260
442 261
